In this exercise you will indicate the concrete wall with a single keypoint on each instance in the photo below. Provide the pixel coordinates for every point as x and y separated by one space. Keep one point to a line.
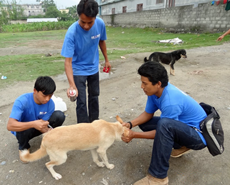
204 17
18 22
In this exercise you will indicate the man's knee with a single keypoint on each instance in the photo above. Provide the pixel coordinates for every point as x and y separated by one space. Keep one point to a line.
164 124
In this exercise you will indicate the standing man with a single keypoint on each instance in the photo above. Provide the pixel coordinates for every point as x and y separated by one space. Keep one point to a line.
177 127
80 50
33 113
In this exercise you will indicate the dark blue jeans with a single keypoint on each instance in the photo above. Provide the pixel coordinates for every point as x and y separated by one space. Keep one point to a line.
23 137
84 115
169 134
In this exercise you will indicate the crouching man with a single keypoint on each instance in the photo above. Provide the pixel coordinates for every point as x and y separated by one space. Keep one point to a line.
34 113
175 128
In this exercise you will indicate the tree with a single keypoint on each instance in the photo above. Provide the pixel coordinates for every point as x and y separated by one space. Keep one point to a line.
9 11
73 12
15 11
52 12
3 15
48 3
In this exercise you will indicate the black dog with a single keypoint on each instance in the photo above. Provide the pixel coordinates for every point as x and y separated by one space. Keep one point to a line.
167 58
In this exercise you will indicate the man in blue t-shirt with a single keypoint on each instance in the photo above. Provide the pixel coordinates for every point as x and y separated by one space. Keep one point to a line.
80 49
177 127
33 113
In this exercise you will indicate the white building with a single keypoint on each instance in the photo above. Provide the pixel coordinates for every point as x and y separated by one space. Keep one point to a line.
108 7
32 9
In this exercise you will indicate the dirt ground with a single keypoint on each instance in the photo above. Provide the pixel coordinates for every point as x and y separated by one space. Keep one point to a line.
204 75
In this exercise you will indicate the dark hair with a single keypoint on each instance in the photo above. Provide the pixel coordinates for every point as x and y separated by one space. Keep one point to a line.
45 84
155 72
87 7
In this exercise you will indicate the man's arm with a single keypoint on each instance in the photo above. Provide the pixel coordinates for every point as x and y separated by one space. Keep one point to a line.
143 135
102 45
222 36
69 74
15 125
144 117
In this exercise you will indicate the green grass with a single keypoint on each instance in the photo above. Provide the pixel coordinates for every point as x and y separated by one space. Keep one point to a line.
120 41
21 39
36 26
29 67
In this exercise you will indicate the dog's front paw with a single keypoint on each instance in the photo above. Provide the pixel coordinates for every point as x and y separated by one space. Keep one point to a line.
57 176
100 164
110 166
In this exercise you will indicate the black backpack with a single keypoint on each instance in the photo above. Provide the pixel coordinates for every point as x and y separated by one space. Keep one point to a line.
212 130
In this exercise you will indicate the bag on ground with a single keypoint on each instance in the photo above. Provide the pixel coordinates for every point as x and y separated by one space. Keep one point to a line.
212 130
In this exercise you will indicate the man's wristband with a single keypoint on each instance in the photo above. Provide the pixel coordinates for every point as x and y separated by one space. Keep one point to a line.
131 125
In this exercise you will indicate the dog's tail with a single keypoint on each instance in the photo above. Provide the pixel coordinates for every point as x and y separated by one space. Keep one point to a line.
30 157
145 59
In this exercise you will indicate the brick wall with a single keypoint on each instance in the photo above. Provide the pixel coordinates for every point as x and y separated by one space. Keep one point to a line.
204 18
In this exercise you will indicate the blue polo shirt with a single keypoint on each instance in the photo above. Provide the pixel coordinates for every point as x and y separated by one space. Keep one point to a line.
82 47
25 109
177 105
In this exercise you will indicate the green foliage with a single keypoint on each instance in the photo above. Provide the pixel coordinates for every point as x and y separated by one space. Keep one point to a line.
73 12
52 12
9 11
3 16
36 26
65 17
48 3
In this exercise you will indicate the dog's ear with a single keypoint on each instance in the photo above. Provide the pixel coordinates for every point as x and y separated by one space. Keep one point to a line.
145 59
119 119
183 52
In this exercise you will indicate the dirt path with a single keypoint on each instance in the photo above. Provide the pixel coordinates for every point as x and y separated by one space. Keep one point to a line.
204 75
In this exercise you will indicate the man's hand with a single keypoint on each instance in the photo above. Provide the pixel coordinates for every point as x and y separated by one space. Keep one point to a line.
107 66
41 125
220 38
71 88
128 137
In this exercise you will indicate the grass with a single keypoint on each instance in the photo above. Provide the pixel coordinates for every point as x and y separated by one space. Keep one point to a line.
23 38
29 67
120 41
36 26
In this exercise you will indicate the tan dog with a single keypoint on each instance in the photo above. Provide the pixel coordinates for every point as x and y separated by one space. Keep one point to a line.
97 137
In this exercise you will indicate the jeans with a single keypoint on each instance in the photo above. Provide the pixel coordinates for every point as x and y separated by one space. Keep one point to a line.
84 115
23 137
169 134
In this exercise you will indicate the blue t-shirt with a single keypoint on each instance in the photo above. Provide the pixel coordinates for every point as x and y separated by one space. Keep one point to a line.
25 109
177 105
82 47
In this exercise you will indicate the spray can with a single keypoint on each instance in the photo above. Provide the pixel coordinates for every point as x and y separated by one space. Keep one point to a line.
73 96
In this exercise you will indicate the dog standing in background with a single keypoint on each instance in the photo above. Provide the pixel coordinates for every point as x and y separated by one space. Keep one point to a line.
167 58
97 137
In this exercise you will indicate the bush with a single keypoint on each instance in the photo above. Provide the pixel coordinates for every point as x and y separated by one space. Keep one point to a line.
38 26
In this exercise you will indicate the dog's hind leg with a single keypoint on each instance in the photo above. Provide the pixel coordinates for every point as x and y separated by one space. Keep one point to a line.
172 71
95 158
56 158
102 153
